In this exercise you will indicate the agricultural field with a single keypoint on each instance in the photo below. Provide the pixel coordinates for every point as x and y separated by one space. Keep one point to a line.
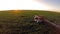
21 22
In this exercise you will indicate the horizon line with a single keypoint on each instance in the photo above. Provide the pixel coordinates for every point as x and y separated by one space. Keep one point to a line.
38 10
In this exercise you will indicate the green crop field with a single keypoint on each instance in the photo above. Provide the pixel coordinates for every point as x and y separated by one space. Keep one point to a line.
21 22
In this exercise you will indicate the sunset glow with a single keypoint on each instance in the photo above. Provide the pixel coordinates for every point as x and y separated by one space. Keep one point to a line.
15 11
24 5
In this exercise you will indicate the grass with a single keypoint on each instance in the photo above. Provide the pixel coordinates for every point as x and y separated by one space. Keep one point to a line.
22 22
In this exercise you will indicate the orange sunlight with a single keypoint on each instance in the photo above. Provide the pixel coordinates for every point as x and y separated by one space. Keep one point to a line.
16 12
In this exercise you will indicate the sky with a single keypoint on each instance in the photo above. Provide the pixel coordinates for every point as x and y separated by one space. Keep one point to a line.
52 5
55 4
